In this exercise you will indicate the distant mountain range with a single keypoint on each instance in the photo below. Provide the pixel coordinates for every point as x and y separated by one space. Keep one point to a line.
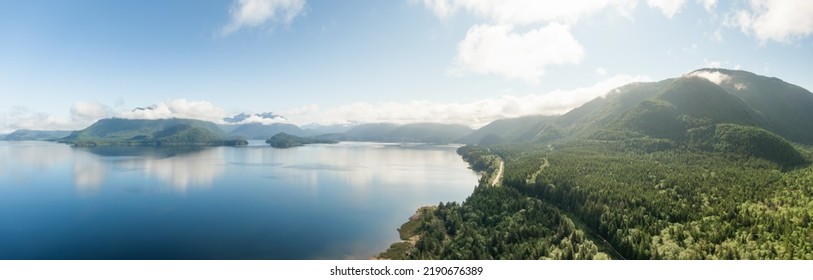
514 130
188 132
416 132
257 131
702 103
35 135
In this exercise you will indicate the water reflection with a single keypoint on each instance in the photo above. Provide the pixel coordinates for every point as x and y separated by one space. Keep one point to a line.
145 152
88 174
180 168
37 155
26 161
313 202
360 167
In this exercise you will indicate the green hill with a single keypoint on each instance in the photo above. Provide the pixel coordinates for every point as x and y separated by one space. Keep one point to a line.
285 140
172 132
731 139
705 100
668 114
514 130
666 109
600 112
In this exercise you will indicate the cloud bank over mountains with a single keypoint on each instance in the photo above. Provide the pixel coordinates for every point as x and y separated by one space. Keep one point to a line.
474 113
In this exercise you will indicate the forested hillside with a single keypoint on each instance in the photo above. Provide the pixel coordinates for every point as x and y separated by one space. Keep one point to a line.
679 169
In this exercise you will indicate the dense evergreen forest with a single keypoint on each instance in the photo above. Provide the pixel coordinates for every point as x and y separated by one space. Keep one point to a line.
597 200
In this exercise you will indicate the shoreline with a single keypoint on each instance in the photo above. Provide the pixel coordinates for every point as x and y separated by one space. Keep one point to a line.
408 231
409 235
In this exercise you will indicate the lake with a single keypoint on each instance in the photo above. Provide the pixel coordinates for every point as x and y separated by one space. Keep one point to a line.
342 201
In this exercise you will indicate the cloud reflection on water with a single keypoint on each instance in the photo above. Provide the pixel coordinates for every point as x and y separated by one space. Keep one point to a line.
179 168
363 167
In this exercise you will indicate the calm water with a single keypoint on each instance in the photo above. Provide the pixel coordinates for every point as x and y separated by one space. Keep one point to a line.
315 202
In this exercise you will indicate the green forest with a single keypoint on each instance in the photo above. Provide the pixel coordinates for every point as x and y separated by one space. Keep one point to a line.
599 200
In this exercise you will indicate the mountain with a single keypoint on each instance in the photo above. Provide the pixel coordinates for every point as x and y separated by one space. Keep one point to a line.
785 109
228 128
35 135
130 132
706 109
285 140
602 111
667 109
368 131
417 132
514 130
685 103
426 133
264 131
317 129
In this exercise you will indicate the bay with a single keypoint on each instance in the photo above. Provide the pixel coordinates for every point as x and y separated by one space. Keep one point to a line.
342 201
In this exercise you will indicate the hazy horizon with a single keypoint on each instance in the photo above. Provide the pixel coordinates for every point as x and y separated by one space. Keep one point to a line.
66 65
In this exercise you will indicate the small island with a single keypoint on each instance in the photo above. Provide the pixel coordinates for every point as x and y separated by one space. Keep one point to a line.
285 140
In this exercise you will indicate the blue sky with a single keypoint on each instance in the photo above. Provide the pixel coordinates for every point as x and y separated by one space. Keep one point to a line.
65 64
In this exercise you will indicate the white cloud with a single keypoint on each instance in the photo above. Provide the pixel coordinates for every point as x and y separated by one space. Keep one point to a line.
521 12
708 4
203 110
303 110
23 118
713 76
778 20
178 108
262 120
494 46
251 13
601 71
89 111
668 7
497 49
476 113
